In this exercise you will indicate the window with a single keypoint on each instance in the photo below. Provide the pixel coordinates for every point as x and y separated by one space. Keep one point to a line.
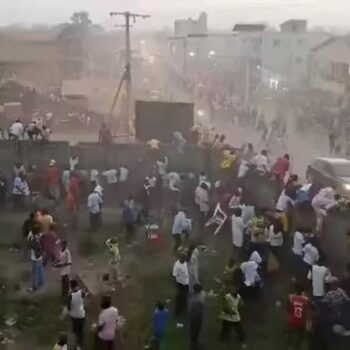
276 42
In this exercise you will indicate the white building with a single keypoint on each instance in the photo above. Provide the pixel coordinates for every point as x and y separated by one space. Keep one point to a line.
285 54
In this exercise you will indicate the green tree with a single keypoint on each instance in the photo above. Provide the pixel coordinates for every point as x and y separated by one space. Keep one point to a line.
81 18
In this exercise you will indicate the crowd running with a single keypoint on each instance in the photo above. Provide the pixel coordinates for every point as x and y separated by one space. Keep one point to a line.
277 223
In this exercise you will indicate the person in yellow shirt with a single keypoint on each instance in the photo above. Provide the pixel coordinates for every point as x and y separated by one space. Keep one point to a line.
231 318
228 160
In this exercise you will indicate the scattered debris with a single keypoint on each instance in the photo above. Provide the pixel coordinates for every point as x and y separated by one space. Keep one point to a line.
11 320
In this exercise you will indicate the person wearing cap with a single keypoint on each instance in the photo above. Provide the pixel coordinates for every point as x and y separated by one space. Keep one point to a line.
53 180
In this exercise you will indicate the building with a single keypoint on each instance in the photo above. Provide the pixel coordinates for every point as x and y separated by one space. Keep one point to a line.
184 27
29 55
45 57
330 66
285 54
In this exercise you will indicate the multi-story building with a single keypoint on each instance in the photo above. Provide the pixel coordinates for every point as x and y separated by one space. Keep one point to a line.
285 54
330 66
44 57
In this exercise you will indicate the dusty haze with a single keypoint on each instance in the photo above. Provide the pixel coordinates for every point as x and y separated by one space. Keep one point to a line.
222 13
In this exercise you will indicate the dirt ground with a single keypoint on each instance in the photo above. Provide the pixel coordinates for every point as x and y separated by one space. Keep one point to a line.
146 267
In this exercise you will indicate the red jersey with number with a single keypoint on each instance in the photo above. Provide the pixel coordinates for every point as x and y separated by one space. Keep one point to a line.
298 309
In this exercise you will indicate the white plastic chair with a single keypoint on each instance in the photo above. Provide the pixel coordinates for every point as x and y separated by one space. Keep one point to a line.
219 217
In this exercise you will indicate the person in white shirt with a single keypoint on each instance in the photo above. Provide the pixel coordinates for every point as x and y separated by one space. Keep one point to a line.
202 199
152 180
64 263
123 174
162 165
237 226
111 175
107 324
20 191
76 311
250 273
261 162
319 275
276 240
298 244
284 202
74 162
255 256
181 224
16 130
179 141
94 205
182 279
243 168
311 256
174 181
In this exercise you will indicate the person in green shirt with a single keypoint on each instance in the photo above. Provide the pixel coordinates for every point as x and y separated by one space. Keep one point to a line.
231 318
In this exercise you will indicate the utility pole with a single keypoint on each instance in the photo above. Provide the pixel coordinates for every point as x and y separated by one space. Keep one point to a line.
128 16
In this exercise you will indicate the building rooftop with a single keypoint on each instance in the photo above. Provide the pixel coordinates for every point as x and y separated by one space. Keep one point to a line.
249 27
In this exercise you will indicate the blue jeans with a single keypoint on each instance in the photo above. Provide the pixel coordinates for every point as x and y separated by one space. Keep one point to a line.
37 274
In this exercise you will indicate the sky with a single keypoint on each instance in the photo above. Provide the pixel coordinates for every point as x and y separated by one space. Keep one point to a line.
222 14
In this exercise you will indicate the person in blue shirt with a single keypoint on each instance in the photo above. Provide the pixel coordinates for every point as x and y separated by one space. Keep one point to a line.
160 325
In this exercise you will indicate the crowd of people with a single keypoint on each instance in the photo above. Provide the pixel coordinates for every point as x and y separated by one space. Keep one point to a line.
221 198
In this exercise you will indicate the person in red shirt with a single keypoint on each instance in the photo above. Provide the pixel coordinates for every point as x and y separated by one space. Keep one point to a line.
72 199
53 181
281 167
298 315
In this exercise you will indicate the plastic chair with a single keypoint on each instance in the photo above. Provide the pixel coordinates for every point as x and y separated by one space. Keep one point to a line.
219 217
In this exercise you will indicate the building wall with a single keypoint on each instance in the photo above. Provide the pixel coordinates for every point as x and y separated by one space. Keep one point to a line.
325 64
285 56
184 27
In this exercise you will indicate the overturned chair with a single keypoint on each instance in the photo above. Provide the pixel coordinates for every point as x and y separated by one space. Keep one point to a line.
219 218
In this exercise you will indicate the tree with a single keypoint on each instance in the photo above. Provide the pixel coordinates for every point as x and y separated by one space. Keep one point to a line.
81 18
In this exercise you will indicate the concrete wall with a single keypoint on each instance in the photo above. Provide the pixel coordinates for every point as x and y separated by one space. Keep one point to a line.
93 155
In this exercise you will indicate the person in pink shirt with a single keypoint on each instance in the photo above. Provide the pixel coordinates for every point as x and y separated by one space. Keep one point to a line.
321 203
50 242
281 167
